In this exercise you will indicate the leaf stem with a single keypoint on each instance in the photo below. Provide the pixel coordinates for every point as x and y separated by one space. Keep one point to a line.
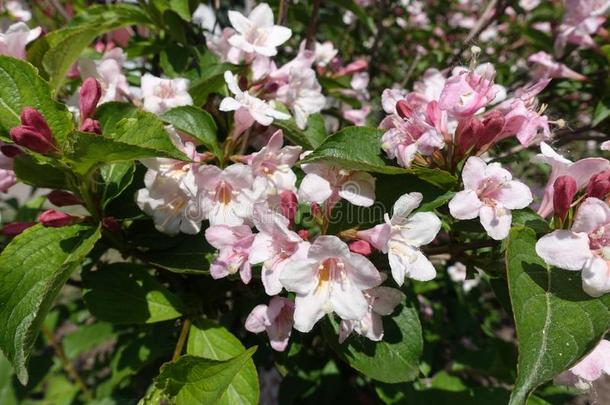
186 326
67 364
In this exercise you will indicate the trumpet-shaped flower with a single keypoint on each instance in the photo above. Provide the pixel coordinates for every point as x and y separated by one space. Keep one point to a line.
582 18
467 91
257 33
489 193
303 94
547 67
329 279
402 236
276 319
586 246
15 38
161 95
233 243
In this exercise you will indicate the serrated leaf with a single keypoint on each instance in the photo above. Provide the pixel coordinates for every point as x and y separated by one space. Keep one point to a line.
556 322
310 137
33 268
197 123
127 293
115 177
23 87
209 340
109 114
393 360
38 174
197 380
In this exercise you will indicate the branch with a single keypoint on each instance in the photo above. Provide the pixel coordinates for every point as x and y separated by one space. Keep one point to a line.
186 326
313 22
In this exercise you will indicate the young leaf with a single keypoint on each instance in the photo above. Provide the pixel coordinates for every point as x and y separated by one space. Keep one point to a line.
209 340
33 268
127 293
195 122
22 87
197 380
395 359
557 323
116 177
310 137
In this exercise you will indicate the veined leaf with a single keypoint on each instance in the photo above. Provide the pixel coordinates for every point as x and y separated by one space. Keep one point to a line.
195 122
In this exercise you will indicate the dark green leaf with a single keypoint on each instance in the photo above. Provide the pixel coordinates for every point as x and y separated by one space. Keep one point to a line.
195 122
310 137
38 174
116 177
188 255
86 338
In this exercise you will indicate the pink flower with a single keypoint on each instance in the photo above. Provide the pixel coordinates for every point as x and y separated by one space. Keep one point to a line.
219 44
327 183
55 219
490 194
161 95
590 368
586 246
547 67
7 175
108 71
581 19
382 301
257 33
15 38
325 52
233 243
274 246
357 117
329 279
302 94
276 319
466 91
402 236
581 171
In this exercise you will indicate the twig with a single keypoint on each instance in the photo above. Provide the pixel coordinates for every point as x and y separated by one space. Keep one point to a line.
313 22
186 326
377 40
282 14
67 364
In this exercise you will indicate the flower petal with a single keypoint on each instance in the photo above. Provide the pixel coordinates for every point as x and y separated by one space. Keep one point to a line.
465 204
596 277
592 214
564 249
496 221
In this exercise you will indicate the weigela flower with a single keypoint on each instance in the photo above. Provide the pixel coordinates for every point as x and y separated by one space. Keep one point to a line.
581 171
325 52
586 246
233 243
17 9
489 193
219 45
547 67
274 246
15 38
590 368
161 95
467 91
302 94
109 72
7 175
257 33
382 301
276 319
457 273
256 109
329 279
324 183
581 19
402 236
357 117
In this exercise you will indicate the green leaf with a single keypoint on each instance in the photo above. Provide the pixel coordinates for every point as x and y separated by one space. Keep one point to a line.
602 111
22 87
188 255
86 337
33 268
127 293
209 340
197 123
7 392
395 359
38 174
197 380
181 7
116 177
310 137
557 323
109 114
211 81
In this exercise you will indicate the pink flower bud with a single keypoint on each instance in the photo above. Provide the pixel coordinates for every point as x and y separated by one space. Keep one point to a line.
15 228
55 219
91 125
10 151
599 185
466 134
565 189
62 198
492 127
361 246
403 109
111 224
289 204
31 138
303 233
90 94
356 66
30 117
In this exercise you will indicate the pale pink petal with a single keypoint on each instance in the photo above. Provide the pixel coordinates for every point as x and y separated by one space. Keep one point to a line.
474 171
348 302
386 299
359 189
300 276
421 228
377 236
261 16
465 205
327 246
239 21
496 221
404 206
361 272
309 309
515 195
257 321
564 249
596 277
592 214
314 188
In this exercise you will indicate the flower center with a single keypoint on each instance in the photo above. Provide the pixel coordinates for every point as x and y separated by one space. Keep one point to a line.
224 192
165 91
600 239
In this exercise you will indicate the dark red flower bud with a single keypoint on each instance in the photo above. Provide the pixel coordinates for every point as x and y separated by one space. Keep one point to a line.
31 138
90 94
55 219
599 185
32 118
492 127
15 228
403 109
62 198
565 189
111 224
303 233
466 134
362 247
10 151
289 204
91 125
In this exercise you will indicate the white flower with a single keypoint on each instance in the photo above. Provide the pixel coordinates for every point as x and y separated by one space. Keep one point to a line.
303 94
324 53
257 33
15 38
161 95
258 109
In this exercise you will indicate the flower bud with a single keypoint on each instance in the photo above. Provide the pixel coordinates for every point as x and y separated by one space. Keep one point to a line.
91 125
289 204
492 127
565 189
55 219
361 246
403 109
303 233
31 138
30 117
111 224
10 151
466 134
599 185
356 66
90 94
62 198
15 228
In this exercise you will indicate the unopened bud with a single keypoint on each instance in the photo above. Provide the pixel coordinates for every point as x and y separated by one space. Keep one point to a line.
492 127
90 94
91 125
289 205
599 185
62 198
15 228
55 219
111 224
356 66
31 138
10 151
362 247
565 189
32 118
